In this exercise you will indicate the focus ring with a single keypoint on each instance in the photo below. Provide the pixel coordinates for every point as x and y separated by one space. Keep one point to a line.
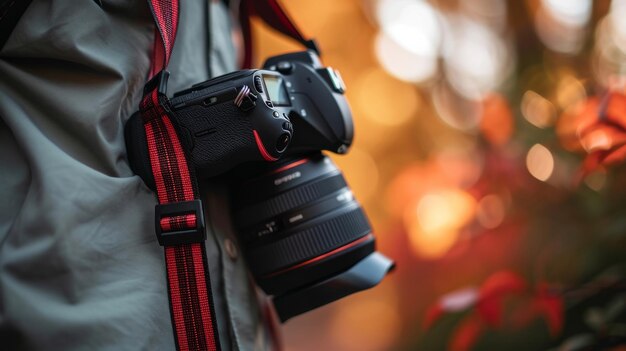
309 243
289 200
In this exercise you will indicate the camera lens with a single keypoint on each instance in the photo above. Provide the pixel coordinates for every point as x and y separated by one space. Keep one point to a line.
299 225
283 142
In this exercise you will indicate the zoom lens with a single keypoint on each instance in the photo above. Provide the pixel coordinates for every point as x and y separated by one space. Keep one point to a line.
301 228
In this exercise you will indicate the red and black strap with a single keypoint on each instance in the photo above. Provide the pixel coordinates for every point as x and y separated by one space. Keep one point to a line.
179 220
273 14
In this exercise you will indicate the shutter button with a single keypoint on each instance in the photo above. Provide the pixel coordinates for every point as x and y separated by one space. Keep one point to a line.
284 67
231 249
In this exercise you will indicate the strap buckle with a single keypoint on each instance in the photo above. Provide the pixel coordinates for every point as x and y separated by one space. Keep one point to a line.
176 237
159 82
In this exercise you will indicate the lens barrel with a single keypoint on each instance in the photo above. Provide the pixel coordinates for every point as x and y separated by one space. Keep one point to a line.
300 225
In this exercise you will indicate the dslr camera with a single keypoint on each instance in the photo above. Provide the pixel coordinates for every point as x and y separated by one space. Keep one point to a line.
306 240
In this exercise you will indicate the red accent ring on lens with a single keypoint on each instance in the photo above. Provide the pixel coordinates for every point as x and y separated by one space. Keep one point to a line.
323 256
290 165
261 148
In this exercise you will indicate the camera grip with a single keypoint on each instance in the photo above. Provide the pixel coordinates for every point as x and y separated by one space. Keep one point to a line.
217 137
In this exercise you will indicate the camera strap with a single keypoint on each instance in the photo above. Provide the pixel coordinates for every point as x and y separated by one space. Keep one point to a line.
179 219
273 15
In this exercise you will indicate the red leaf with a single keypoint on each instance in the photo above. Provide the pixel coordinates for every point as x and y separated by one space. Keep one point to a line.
491 310
494 290
455 301
576 120
598 125
603 137
599 159
616 109
466 334
615 156
550 306
542 305
432 315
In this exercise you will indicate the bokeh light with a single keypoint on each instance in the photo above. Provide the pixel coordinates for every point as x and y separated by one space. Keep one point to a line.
408 44
402 63
616 22
433 225
540 162
456 110
538 110
412 24
476 59
497 120
561 24
491 12
571 12
570 91
490 211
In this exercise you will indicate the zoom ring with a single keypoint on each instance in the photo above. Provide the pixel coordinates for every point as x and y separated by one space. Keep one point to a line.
310 242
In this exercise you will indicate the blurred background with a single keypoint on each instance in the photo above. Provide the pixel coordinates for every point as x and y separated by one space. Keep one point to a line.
489 141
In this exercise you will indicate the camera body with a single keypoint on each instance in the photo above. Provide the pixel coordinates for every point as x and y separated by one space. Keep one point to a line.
318 108
307 240
251 115
294 89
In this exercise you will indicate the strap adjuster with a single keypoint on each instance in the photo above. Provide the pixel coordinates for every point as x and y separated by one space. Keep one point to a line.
159 82
196 234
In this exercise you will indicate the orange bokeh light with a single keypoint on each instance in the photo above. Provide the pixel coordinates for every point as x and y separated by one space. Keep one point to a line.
496 122
433 225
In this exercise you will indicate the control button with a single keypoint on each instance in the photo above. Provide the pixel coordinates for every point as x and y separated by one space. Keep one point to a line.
231 249
287 126
276 114
257 84
269 104
284 67
283 142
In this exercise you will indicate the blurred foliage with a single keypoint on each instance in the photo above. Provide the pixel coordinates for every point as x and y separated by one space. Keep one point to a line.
489 157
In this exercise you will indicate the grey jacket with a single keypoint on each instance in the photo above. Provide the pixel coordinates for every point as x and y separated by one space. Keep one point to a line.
80 268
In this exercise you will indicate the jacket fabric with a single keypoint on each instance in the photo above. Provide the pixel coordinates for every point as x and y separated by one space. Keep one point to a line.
80 267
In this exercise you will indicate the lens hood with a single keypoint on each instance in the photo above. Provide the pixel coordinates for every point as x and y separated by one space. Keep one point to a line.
365 274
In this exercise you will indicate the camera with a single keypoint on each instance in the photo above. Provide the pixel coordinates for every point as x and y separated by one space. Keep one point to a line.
306 239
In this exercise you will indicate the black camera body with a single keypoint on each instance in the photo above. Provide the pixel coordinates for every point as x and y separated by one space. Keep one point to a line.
307 240
317 106
251 115
221 123
228 121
